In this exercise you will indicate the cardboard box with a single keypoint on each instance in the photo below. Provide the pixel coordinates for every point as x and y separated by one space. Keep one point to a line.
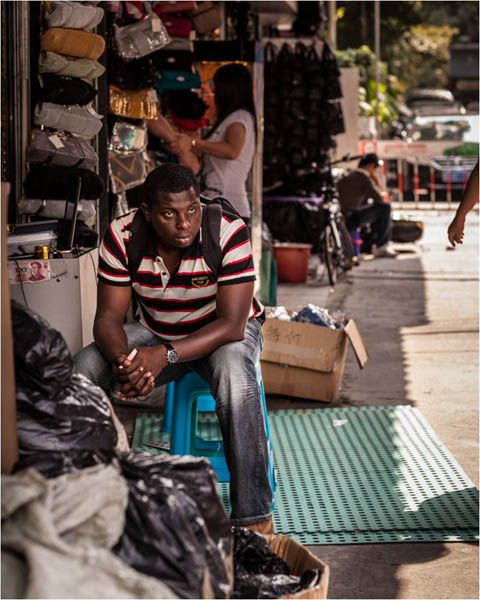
299 560
307 361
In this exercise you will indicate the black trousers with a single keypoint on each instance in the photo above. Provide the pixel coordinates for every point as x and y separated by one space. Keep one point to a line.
378 216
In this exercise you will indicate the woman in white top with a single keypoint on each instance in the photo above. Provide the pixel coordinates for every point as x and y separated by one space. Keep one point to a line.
228 150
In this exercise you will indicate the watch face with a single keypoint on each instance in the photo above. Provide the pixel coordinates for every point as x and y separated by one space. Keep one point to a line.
172 356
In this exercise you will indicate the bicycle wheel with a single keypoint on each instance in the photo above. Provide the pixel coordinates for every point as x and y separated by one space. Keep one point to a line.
331 253
347 246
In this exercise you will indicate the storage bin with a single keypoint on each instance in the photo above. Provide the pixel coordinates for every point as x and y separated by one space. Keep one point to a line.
292 261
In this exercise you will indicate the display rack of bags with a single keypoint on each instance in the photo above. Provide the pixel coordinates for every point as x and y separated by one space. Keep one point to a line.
61 159
301 108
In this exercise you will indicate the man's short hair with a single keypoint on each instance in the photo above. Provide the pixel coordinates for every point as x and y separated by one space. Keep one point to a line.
170 178
35 262
369 159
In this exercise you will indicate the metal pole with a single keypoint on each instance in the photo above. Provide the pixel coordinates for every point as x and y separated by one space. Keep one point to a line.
432 186
416 182
332 23
400 180
377 66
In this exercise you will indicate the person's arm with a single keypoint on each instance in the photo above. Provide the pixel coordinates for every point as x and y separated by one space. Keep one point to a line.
161 128
372 191
229 148
470 198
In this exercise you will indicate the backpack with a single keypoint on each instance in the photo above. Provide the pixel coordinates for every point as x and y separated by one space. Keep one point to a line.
141 231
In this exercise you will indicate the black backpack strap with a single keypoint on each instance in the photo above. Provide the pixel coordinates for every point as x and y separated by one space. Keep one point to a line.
140 232
211 222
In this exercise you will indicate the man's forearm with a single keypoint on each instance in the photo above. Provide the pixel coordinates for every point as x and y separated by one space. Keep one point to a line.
110 338
470 196
209 338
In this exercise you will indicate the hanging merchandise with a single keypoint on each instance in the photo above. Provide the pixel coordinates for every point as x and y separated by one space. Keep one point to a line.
50 62
165 7
128 138
178 80
206 18
186 104
173 60
72 42
179 43
178 26
56 209
58 148
141 38
73 119
73 15
127 172
64 421
176 527
55 183
132 75
134 9
66 90
188 124
141 104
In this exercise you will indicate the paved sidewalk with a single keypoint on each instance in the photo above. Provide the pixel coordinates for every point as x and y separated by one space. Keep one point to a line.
419 317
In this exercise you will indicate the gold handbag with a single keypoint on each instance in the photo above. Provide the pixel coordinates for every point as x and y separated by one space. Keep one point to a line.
141 104
71 42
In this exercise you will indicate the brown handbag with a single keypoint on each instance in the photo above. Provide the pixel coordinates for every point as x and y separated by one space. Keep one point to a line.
71 42
141 104
206 18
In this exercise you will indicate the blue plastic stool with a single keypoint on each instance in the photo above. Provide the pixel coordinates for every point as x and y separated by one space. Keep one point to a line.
184 399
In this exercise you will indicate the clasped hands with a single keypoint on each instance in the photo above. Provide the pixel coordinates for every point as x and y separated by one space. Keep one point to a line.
181 145
136 374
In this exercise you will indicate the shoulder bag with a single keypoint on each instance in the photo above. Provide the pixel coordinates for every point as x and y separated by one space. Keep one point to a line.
127 172
66 90
57 148
68 118
74 15
178 80
162 8
128 138
72 42
173 60
132 75
51 62
177 26
141 104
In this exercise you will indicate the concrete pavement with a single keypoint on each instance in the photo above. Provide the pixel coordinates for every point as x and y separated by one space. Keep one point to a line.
419 317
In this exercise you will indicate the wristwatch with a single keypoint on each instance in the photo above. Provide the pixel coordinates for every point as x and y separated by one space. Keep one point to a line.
172 356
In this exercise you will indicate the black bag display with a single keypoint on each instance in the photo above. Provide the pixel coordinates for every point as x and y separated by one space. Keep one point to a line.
132 75
63 420
66 90
58 183
176 527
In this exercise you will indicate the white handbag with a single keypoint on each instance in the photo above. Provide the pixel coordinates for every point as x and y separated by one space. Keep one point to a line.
74 15
141 38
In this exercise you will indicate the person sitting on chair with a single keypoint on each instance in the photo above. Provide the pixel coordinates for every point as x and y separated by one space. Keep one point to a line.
188 318
355 190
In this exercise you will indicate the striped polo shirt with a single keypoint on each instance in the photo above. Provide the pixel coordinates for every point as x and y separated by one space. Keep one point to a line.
174 305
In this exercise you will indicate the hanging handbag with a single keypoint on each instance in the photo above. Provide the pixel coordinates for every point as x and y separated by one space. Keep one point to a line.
206 18
179 80
333 90
134 9
128 139
55 183
74 15
162 8
175 60
132 75
141 104
335 123
270 63
71 42
68 118
314 73
329 63
141 38
177 26
57 148
127 172
66 90
188 124
50 62
186 104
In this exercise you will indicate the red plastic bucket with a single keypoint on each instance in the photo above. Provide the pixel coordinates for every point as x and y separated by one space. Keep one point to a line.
292 261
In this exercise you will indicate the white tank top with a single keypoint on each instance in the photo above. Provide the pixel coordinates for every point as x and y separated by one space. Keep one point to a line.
227 177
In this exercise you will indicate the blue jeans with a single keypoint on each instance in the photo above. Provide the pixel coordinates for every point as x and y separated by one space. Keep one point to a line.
231 372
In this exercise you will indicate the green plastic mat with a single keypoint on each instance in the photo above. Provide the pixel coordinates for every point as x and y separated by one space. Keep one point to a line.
364 475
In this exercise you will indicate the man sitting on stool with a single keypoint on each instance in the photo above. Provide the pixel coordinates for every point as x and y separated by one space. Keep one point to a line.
355 190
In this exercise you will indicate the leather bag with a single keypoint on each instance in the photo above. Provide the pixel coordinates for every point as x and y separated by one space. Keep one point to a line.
206 18
51 62
173 60
128 138
141 38
56 183
74 15
66 90
141 104
57 148
163 8
132 75
126 172
68 118
71 42
178 80
178 27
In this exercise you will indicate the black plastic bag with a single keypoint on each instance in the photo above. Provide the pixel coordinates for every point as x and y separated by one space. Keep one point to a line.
63 420
177 529
259 573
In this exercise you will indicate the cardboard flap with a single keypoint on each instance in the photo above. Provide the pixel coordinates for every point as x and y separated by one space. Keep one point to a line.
301 345
357 343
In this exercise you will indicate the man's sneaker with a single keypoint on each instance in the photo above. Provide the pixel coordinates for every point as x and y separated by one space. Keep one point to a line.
385 251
